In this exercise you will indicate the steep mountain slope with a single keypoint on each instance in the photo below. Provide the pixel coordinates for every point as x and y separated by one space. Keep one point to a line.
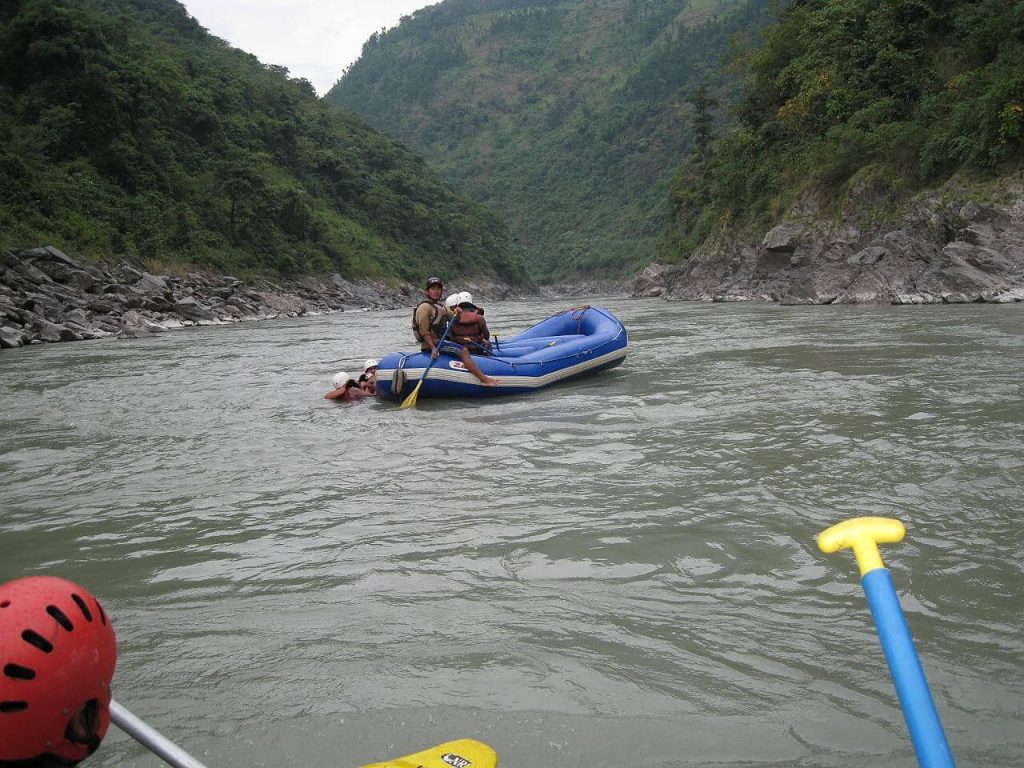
567 116
126 129
878 156
854 106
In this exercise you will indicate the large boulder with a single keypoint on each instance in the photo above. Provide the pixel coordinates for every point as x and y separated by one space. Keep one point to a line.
62 269
104 305
1012 295
80 280
130 273
53 332
77 315
134 323
152 285
10 337
281 303
127 298
22 274
655 280
190 309
50 254
783 238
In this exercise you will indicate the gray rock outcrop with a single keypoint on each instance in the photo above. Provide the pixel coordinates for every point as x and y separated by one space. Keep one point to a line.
46 296
943 250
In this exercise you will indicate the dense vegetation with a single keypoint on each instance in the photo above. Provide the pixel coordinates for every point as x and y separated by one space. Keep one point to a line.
854 105
126 129
568 116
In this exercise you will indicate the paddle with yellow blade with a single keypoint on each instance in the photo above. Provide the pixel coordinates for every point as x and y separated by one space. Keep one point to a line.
863 535
464 753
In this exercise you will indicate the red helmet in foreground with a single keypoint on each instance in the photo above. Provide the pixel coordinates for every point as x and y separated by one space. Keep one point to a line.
57 658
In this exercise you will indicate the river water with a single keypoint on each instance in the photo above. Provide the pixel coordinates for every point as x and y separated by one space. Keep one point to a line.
620 571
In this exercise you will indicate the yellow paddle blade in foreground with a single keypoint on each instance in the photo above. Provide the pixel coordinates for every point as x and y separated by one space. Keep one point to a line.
464 753
410 401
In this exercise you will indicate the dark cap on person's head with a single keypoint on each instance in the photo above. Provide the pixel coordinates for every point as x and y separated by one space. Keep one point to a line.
432 281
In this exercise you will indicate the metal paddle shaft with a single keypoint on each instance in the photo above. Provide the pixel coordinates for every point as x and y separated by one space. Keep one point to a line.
152 739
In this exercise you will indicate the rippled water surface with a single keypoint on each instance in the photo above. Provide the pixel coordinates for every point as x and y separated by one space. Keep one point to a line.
619 571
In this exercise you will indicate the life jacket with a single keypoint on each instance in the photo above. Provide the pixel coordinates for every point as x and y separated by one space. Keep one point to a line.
466 327
438 321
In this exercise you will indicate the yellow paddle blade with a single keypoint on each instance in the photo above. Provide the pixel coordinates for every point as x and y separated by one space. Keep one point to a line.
410 401
464 753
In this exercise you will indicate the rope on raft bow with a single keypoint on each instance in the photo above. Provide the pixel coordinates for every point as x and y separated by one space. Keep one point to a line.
582 309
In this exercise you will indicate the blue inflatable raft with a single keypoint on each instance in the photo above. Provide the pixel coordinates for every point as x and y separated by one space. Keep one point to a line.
569 344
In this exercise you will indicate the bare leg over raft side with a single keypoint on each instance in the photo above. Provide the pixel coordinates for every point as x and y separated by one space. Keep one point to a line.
472 367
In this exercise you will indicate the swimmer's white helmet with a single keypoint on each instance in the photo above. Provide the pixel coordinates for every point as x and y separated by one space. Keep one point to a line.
340 379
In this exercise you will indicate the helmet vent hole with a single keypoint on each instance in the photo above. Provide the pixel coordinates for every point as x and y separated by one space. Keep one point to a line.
59 616
13 706
103 614
82 607
5 604
19 672
34 638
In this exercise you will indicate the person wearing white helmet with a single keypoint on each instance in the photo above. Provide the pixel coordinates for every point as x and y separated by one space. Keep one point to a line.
368 381
345 388
469 327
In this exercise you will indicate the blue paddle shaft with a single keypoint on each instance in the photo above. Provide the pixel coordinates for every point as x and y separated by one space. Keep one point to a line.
905 667
438 346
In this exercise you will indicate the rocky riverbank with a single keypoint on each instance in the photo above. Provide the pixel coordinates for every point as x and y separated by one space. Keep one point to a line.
945 249
46 296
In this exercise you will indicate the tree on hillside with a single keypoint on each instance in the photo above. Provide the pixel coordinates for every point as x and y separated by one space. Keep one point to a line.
703 102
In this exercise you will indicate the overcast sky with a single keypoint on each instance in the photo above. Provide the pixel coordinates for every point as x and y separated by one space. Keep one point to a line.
315 39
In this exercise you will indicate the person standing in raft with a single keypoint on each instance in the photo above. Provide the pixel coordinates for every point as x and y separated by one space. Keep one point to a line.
429 322
345 388
470 328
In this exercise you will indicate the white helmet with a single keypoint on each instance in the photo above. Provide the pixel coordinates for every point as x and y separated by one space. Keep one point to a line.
370 363
466 298
340 379
452 301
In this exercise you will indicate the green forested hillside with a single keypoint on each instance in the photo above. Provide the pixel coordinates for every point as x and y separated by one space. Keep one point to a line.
126 129
852 105
567 116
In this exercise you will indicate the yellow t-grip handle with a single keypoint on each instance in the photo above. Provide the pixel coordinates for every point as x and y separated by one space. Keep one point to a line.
862 535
